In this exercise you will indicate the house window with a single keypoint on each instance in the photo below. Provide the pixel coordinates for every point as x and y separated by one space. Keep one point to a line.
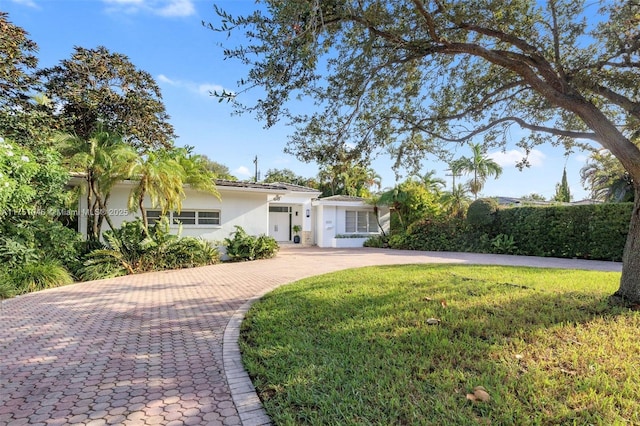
153 216
209 218
184 217
187 217
357 221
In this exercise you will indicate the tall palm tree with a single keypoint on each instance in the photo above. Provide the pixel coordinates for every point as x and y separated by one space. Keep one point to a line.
104 159
481 166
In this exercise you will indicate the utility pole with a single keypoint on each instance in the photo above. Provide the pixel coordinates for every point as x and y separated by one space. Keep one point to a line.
255 161
454 175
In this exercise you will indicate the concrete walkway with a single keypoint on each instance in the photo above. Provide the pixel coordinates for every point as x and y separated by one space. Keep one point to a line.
148 349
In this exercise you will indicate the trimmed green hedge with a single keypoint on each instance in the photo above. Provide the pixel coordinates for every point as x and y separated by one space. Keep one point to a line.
589 232
595 231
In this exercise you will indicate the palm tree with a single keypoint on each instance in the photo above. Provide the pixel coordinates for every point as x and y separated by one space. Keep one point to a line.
431 182
198 174
480 166
396 198
161 177
457 201
605 177
104 159
374 200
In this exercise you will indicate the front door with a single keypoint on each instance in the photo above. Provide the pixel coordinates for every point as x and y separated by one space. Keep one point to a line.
280 223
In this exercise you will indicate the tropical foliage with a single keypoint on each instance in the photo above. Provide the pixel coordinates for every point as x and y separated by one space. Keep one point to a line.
479 166
162 175
95 115
104 159
241 246
605 177
132 249
548 68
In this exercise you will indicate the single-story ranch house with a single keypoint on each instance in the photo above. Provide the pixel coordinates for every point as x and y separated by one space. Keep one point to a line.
259 208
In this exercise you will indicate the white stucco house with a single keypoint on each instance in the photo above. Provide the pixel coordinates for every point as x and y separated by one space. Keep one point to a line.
259 208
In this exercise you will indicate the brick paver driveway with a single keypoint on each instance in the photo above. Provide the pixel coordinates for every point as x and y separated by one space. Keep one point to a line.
148 349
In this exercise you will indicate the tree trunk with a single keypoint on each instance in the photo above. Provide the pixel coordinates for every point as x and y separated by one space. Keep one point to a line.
143 213
629 290
89 213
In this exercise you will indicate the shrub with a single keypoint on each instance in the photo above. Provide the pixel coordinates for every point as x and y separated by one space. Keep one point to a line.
129 250
504 244
590 232
482 212
39 276
26 239
188 252
7 289
242 246
377 241
14 253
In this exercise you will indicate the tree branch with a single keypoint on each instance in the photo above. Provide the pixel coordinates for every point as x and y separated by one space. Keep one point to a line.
533 127
623 102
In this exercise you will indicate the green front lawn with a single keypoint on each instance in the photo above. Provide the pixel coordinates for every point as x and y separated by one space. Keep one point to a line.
356 347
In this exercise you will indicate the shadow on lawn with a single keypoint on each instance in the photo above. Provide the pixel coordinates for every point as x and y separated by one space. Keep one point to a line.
368 354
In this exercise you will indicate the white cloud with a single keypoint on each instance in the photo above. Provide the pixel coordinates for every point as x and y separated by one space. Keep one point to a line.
242 171
510 158
28 3
167 8
164 79
177 8
208 89
203 89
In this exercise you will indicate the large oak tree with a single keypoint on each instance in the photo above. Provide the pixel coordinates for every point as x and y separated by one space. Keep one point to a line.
415 76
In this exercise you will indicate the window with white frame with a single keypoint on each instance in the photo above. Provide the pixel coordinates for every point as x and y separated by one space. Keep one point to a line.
360 221
187 217
153 216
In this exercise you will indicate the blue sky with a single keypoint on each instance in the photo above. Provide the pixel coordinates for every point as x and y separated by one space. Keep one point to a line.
166 39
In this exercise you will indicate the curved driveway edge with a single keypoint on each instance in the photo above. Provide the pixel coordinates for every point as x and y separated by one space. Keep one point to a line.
161 348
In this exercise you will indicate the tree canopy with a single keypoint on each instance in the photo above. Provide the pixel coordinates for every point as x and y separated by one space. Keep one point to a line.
412 76
563 192
96 87
17 64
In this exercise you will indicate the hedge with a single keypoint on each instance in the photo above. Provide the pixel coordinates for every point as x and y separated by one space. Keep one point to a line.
596 231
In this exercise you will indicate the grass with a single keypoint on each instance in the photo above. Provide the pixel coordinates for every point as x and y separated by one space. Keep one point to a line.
356 347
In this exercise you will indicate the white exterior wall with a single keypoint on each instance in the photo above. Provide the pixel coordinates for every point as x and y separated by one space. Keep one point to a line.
326 225
250 210
332 222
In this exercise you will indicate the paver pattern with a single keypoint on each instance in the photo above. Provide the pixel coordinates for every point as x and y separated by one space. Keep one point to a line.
161 348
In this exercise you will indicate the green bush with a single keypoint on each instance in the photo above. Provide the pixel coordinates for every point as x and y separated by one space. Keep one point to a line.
591 232
24 240
504 244
188 252
39 276
595 231
377 241
7 289
129 250
482 212
242 246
